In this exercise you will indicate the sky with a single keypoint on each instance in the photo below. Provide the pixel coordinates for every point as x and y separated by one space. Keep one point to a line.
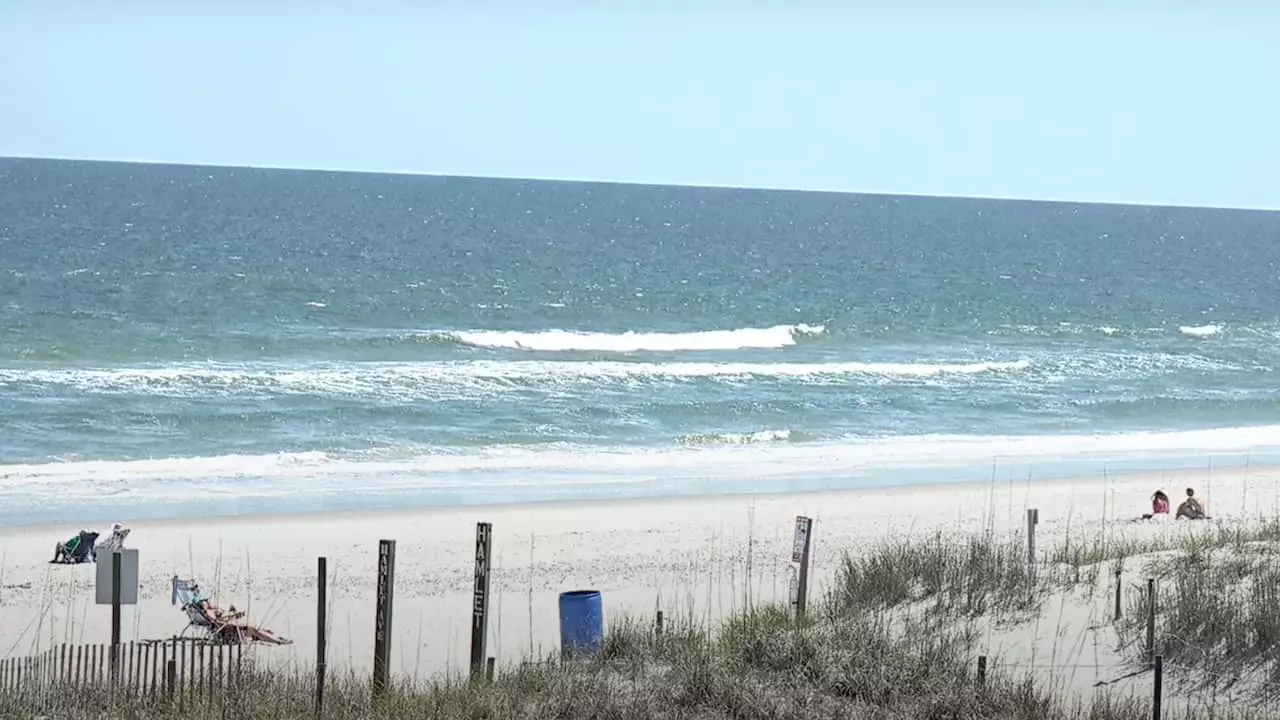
1124 102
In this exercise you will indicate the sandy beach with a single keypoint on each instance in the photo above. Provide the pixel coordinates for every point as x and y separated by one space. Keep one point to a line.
700 557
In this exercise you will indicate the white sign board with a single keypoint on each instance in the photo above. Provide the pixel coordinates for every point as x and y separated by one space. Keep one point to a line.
128 578
802 538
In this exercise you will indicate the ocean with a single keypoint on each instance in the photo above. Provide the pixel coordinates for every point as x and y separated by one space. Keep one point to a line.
179 341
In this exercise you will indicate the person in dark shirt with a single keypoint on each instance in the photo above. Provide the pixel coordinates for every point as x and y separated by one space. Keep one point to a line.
1191 508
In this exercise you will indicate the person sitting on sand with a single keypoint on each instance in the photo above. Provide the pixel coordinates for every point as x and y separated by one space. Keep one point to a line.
1159 505
1191 508
64 552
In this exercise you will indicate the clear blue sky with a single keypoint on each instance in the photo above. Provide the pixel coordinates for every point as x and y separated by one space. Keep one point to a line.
1144 104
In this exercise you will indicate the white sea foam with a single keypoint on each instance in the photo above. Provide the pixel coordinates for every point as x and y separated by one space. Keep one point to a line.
1200 330
290 475
443 378
759 436
779 336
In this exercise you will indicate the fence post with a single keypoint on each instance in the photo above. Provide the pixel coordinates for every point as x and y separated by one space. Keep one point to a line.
1157 688
170 677
657 626
1118 582
1151 620
322 600
982 670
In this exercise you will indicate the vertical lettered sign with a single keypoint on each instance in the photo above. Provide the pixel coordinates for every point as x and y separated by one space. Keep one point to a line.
382 631
480 597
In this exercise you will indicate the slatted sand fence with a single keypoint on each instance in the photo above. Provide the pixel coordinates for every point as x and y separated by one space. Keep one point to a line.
183 669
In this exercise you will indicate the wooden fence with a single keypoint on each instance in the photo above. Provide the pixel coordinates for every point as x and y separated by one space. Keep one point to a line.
180 666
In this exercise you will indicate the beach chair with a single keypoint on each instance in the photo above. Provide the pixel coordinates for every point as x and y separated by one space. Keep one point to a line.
218 626
114 541
186 595
79 549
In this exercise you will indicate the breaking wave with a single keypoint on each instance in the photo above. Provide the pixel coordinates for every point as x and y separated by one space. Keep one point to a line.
1200 330
778 336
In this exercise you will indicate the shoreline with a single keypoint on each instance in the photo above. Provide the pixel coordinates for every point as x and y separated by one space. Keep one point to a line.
1243 462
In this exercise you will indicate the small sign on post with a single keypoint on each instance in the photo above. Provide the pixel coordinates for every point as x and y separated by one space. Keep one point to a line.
801 543
800 554
103 586
116 584
480 598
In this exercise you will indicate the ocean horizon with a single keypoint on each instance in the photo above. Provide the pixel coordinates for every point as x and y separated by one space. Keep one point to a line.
192 341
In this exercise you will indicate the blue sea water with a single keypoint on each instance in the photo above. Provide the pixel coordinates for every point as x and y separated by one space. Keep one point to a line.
185 340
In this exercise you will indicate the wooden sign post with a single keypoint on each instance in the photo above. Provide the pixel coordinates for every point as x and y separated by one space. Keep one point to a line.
382 630
322 629
116 584
1033 519
800 554
480 598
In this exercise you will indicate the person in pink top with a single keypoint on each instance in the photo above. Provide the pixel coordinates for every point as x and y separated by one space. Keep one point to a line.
1159 505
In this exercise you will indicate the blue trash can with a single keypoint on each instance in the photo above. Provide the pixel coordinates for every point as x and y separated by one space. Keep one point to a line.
581 624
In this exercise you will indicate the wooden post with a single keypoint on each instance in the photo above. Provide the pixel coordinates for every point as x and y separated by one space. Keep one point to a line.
488 669
1118 581
480 598
800 553
224 669
1033 519
322 601
115 618
982 670
657 626
162 661
1151 619
382 630
130 667
1157 688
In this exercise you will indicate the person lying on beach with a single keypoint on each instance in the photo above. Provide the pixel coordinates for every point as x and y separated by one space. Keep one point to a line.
216 615
1191 508
231 627
1159 505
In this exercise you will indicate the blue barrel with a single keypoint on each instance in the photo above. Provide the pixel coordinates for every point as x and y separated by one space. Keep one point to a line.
581 623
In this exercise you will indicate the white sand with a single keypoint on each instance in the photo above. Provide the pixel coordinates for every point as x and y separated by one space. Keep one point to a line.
699 556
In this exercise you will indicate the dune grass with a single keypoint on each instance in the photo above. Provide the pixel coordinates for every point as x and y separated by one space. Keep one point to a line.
894 637
1217 614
